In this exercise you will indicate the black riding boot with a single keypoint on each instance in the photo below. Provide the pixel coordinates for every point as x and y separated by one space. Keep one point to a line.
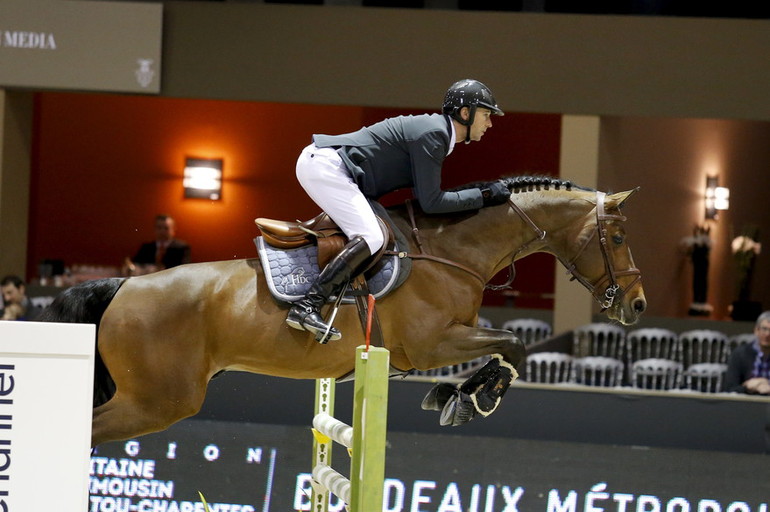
305 313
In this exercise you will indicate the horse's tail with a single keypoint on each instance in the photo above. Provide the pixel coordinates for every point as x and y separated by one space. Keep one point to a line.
85 304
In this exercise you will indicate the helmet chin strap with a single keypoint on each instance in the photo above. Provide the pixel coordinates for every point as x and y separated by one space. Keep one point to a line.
468 123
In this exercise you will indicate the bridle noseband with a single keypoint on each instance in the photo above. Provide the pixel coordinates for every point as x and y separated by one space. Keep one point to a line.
607 296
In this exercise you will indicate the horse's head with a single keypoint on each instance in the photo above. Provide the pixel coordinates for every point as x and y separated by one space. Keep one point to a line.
600 259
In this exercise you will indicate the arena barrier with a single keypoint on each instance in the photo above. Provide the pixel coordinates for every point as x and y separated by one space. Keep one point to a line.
365 440
46 388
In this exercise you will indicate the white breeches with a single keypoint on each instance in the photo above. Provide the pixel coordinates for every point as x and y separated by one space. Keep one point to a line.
324 177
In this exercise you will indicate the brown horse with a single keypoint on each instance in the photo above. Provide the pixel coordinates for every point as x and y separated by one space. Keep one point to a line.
163 336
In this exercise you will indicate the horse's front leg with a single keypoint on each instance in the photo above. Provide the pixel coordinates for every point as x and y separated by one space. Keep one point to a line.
483 391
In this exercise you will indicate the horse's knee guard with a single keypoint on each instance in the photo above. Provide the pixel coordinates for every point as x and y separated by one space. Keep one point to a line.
488 385
480 394
482 376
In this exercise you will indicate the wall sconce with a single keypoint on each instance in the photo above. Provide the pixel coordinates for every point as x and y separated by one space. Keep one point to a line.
203 178
717 198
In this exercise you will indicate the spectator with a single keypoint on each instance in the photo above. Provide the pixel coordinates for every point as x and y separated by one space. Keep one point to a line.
165 251
16 304
748 369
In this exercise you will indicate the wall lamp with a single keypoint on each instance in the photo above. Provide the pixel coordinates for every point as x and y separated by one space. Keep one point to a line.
717 198
203 178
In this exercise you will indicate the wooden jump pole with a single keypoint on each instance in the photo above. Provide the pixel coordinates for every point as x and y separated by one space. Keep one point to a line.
365 440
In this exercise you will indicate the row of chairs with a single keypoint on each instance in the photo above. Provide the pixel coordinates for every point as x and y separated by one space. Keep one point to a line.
647 358
605 355
651 374
689 347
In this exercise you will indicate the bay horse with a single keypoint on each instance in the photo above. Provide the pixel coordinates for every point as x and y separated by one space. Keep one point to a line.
161 337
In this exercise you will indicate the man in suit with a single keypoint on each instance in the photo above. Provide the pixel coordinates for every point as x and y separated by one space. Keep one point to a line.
165 251
16 304
748 368
341 173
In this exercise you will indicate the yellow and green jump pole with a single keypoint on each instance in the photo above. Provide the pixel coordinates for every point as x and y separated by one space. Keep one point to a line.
365 440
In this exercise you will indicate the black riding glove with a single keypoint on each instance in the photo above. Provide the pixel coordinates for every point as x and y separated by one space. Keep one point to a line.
495 193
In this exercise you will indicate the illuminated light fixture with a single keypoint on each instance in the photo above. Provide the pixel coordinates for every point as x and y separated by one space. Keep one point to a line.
717 198
203 178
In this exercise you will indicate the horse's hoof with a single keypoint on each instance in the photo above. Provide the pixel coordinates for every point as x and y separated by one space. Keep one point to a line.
459 410
438 396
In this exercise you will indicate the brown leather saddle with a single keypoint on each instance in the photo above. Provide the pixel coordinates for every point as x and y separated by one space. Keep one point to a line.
321 230
330 239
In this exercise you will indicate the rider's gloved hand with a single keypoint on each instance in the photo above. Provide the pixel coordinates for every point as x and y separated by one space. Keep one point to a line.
495 193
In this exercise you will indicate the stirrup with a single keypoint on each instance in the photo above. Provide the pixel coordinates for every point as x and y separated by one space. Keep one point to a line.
322 336
331 332
322 332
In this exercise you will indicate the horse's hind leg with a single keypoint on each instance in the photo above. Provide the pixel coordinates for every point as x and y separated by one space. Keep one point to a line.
125 416
154 386
150 396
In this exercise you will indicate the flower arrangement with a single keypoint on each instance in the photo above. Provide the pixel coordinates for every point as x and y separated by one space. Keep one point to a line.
746 248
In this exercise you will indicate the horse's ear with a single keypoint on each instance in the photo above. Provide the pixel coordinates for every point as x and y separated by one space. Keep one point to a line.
619 198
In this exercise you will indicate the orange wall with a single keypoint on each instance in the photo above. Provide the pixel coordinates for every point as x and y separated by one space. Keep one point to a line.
104 165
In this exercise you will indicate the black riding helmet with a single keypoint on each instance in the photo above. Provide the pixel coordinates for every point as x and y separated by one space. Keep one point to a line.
472 94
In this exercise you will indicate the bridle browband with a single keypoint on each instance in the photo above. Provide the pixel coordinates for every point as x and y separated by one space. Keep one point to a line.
606 297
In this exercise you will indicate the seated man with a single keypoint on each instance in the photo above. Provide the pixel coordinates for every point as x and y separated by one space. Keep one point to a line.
165 251
16 304
748 368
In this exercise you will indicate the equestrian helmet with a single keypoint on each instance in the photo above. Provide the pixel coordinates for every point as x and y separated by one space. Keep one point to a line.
472 94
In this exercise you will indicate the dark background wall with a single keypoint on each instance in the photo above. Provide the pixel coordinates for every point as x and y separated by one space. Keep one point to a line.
652 80
104 165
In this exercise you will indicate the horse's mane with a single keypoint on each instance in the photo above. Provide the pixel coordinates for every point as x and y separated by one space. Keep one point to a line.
527 183
516 184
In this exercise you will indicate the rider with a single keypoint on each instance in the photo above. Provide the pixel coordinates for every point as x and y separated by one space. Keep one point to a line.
341 172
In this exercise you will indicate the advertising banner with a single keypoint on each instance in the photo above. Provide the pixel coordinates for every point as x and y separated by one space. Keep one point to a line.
81 45
248 467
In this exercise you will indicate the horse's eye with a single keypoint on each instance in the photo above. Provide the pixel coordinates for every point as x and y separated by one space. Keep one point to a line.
618 239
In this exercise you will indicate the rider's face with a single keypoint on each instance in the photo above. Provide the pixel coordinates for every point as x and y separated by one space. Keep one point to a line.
481 122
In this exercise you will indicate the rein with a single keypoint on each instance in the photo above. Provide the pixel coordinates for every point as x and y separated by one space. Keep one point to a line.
606 297
539 235
421 254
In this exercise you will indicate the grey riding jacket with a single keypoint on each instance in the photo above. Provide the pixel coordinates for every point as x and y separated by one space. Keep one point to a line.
402 152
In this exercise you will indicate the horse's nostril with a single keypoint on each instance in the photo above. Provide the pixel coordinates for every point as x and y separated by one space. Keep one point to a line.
639 305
